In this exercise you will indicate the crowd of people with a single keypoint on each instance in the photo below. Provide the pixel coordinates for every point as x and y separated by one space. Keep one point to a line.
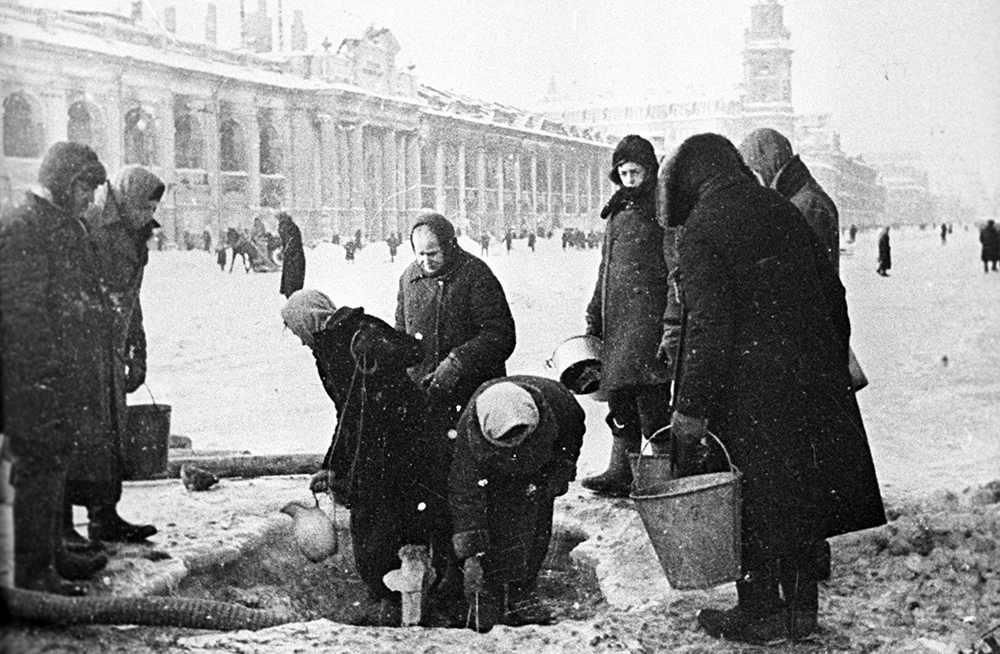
720 311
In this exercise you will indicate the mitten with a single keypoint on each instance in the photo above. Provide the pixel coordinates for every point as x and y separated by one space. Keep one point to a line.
445 377
690 444
470 543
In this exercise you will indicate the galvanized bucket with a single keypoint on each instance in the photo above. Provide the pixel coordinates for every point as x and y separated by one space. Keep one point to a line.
577 362
694 526
649 469
146 440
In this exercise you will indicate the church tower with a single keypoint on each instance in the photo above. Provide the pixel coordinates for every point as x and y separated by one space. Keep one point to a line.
767 70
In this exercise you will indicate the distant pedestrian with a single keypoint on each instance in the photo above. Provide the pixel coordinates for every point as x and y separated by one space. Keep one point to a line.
531 241
989 237
508 240
393 247
357 239
884 253
349 248
852 233
944 233
484 245
293 257
206 240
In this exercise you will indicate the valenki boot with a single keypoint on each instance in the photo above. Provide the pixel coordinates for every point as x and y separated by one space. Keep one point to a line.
37 534
616 481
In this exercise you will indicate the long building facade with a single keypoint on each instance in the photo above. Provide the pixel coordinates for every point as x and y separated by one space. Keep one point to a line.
341 138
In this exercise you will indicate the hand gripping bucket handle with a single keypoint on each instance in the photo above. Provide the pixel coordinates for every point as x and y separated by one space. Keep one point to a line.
694 526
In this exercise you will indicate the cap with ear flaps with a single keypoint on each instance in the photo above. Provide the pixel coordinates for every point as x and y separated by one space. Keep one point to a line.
501 409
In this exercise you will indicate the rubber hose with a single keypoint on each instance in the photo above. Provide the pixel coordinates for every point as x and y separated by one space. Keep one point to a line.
151 611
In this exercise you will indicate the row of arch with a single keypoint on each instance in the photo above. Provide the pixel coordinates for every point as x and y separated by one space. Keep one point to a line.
24 135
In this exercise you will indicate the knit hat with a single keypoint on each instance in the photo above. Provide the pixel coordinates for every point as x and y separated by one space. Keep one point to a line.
502 408
766 151
634 149
67 162
307 312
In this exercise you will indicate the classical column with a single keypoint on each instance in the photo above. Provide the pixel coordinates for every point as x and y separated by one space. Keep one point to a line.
517 188
439 199
462 209
481 180
500 189
389 186
210 123
576 188
534 188
548 185
249 117
358 182
413 175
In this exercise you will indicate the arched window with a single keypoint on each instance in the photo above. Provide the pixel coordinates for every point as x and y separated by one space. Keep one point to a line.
23 134
140 138
232 147
270 144
84 126
189 144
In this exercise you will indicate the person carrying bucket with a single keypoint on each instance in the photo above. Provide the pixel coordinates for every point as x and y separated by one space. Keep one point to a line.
627 312
763 364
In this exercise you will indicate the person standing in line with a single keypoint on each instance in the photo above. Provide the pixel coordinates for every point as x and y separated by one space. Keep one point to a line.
989 238
54 317
121 222
627 312
763 365
769 154
293 256
452 301
508 240
944 233
884 253
484 245
516 450
531 240
852 233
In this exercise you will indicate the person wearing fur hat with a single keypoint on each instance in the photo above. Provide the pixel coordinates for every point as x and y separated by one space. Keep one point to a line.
121 223
516 451
627 312
55 319
763 364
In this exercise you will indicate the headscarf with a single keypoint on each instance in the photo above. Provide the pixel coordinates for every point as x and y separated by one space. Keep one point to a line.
65 163
440 226
766 152
502 408
633 149
702 163
307 312
127 195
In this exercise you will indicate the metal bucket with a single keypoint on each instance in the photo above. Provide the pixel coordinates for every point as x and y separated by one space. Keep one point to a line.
650 469
146 440
577 362
694 525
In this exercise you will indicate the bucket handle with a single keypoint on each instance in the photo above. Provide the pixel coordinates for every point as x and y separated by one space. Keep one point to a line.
150 391
729 460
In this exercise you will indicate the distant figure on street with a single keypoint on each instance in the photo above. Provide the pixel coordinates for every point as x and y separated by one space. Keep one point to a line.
989 237
852 233
349 249
884 253
944 233
293 257
357 239
484 245
508 240
531 241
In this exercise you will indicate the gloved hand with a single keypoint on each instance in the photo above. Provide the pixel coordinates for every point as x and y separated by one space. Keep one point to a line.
690 444
135 369
325 482
470 543
559 475
445 377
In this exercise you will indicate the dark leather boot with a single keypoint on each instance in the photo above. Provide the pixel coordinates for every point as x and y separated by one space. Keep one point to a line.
79 567
616 481
757 618
72 540
107 525
801 592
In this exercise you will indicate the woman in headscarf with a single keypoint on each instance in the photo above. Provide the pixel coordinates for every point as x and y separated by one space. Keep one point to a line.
627 312
121 222
763 364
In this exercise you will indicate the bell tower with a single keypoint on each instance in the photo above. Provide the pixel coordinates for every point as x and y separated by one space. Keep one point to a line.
767 70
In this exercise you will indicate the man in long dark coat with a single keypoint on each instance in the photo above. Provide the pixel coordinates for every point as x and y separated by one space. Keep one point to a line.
293 257
764 366
55 326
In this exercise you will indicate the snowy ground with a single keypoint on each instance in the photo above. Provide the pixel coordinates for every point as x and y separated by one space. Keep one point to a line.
218 352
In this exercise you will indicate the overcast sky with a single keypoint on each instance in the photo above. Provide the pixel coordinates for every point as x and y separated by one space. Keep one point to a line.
894 74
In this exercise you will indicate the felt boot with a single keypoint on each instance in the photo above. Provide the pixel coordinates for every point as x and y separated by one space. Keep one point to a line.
72 540
616 481
757 618
801 592
79 567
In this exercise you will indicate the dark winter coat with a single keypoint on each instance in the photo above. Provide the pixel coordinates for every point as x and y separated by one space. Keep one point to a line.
630 298
989 237
57 332
461 311
764 354
293 258
512 511
884 251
